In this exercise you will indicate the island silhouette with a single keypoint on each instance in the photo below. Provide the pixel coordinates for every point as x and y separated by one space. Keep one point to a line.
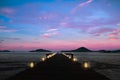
5 51
40 50
81 49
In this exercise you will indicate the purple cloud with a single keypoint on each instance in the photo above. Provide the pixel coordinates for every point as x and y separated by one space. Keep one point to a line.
1 41
12 38
100 31
111 33
7 10
118 24
48 16
77 25
115 35
7 30
2 27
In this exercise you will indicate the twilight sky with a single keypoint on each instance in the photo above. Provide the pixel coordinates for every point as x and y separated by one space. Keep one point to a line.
59 24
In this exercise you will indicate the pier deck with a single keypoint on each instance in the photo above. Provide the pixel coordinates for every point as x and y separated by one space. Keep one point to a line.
58 67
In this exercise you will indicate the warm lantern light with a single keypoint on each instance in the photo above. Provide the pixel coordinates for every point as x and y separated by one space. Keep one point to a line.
75 59
51 55
86 65
69 57
31 64
43 59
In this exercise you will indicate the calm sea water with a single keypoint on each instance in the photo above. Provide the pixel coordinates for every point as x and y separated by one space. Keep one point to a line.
14 62
107 64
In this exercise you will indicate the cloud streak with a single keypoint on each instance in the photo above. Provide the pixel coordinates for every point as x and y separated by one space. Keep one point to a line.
80 6
50 33
115 35
11 38
101 31
8 30
1 41
111 33
47 16
7 10
52 30
4 29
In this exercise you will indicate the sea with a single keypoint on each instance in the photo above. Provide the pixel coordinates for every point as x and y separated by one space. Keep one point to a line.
107 64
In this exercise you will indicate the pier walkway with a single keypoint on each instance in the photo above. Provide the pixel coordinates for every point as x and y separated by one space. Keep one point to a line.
58 67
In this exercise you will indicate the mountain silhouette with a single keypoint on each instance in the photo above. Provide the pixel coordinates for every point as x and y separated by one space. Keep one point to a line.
109 51
40 50
4 51
81 49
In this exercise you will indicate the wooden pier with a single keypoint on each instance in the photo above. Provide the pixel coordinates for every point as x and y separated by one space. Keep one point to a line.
58 67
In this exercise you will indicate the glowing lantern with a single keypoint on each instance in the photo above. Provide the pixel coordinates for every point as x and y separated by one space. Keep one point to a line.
75 59
31 64
86 65
69 57
43 59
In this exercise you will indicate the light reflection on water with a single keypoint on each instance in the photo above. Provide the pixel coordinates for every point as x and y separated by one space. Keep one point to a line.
95 60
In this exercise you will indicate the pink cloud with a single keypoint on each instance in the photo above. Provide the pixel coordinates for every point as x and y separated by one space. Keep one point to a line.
115 35
80 6
2 27
64 24
111 33
85 3
114 38
100 31
50 33
47 35
86 24
62 45
51 44
52 30
47 16
118 24
7 10
8 30
103 21
116 32
77 25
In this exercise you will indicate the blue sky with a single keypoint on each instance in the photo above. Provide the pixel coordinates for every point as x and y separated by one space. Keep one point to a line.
59 24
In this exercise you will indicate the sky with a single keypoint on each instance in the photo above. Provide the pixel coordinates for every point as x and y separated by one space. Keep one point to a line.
59 24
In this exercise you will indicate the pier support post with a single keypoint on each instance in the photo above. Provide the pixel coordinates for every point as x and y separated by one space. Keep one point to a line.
47 55
71 56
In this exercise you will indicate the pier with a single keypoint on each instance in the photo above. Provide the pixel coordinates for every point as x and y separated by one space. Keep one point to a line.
59 67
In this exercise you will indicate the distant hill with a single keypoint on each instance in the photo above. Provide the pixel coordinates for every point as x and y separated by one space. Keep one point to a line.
81 49
40 50
109 51
116 51
4 51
